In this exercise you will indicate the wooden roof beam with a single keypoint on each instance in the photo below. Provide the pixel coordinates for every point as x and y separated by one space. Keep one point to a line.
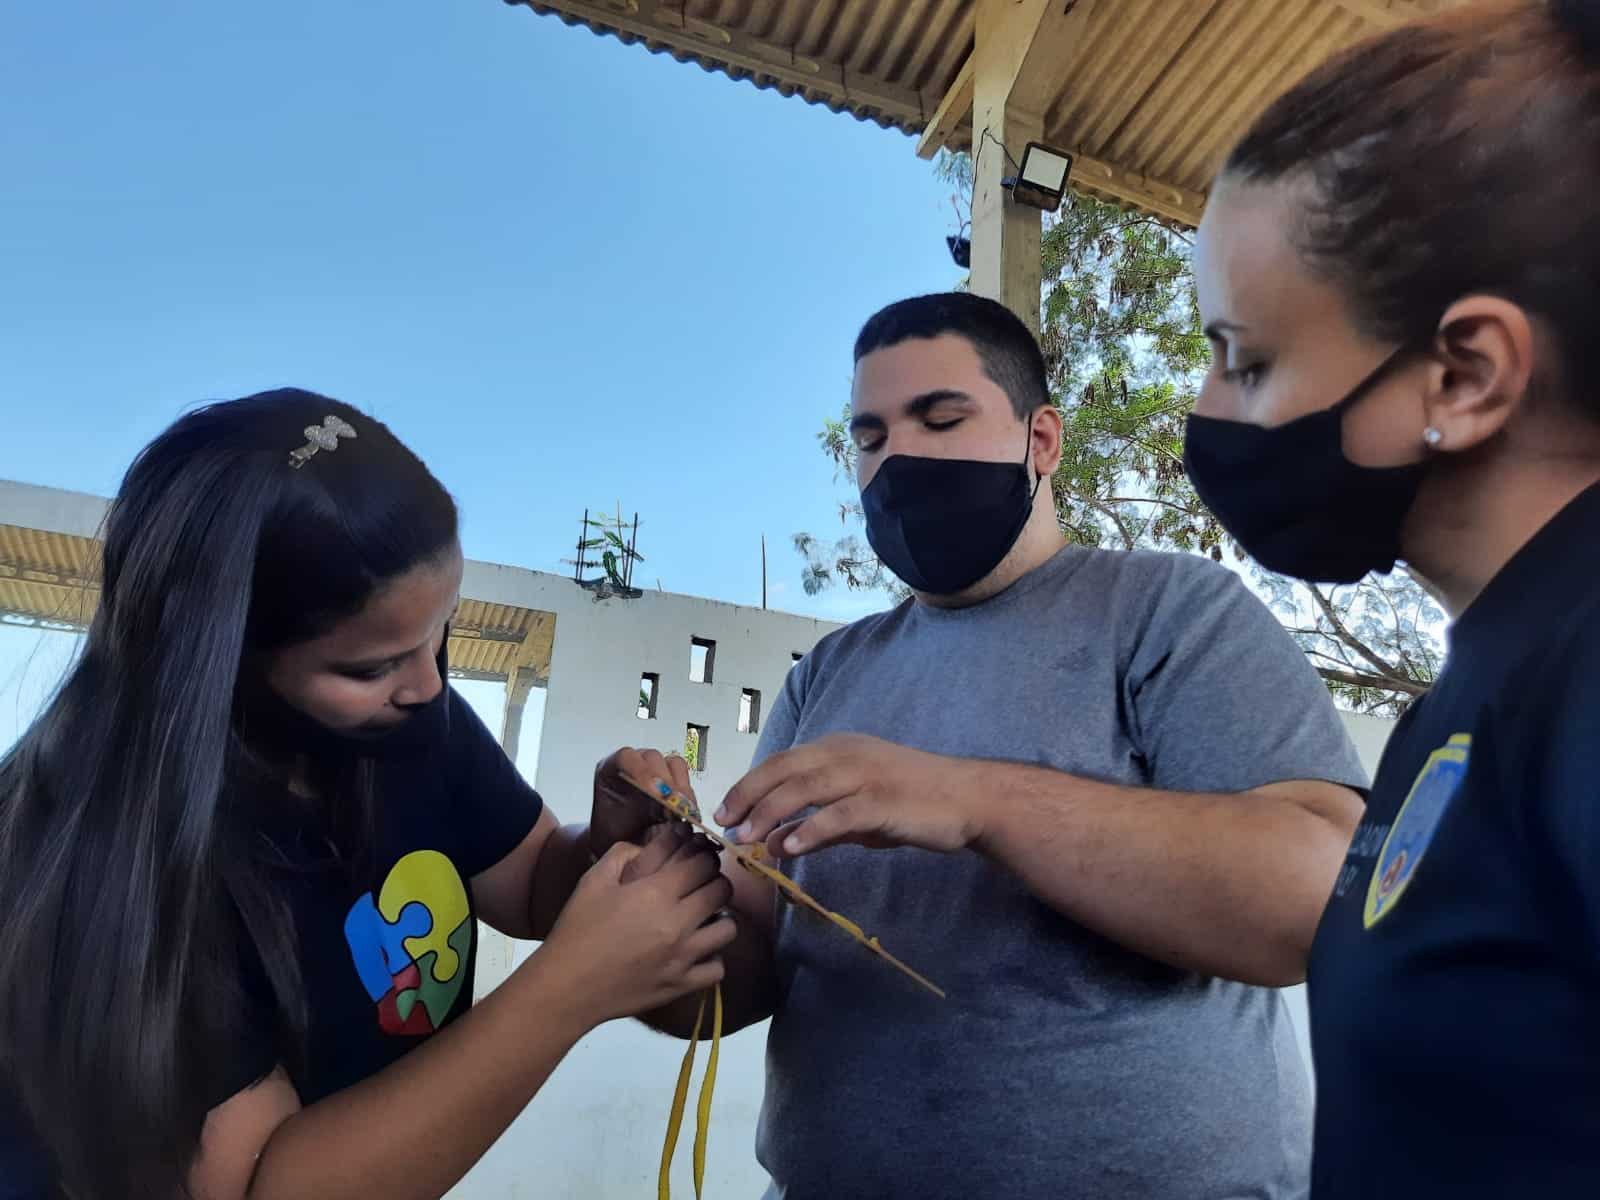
1034 39
953 110
1385 14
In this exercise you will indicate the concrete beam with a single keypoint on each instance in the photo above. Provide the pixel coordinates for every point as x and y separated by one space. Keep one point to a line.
518 684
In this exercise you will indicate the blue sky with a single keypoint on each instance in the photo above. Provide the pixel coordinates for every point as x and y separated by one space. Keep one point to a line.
569 273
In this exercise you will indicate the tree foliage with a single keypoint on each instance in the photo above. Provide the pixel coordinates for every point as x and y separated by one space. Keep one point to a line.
1122 340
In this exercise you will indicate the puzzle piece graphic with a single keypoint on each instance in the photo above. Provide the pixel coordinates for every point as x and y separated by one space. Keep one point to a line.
439 996
429 879
399 1014
379 946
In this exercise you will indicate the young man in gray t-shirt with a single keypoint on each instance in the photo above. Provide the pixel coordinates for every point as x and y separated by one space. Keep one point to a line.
1099 797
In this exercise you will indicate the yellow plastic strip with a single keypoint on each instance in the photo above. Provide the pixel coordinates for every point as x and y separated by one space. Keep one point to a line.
702 1127
680 1098
750 858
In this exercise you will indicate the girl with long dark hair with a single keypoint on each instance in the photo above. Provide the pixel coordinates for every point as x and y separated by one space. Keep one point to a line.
1398 270
244 849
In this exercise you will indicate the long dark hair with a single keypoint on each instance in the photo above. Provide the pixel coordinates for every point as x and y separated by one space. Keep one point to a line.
1454 155
126 868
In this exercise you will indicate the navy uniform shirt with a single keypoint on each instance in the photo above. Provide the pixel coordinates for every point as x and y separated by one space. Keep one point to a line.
386 959
1455 978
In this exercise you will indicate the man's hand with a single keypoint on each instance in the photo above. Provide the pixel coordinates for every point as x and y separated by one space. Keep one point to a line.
866 791
621 812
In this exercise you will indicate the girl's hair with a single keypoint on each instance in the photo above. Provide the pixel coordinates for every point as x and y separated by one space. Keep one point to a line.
1456 155
128 872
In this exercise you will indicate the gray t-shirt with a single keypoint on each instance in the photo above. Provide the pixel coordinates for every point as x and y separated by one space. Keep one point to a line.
1062 1065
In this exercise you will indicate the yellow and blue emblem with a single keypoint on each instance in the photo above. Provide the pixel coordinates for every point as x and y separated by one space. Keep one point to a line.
1415 825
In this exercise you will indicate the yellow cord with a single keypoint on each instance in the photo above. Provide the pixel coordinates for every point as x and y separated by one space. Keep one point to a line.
680 1099
754 860
702 1125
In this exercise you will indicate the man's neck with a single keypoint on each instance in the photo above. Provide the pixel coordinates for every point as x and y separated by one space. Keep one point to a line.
1041 540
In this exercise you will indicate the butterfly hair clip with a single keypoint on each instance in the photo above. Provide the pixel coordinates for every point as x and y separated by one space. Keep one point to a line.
321 437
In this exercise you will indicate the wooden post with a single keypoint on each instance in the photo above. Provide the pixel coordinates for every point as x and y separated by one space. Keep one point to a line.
1017 55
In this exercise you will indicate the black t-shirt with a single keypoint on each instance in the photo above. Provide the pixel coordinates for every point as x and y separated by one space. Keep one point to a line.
386 959
1455 978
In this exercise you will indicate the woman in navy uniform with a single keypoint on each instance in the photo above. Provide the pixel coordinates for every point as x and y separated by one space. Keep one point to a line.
1398 273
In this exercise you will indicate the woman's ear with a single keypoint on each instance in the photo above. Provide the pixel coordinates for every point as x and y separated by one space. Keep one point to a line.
1487 347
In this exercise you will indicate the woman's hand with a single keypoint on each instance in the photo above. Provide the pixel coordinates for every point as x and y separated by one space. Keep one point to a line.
642 929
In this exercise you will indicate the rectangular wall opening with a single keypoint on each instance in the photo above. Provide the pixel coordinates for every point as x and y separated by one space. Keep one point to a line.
702 660
649 693
749 711
696 745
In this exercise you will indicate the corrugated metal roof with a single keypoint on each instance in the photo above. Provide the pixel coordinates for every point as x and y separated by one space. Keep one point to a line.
51 579
1149 98
489 641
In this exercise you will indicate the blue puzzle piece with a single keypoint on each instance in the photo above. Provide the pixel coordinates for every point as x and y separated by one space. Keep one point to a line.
378 947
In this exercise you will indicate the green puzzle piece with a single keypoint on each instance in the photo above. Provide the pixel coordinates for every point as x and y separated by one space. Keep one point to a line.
437 995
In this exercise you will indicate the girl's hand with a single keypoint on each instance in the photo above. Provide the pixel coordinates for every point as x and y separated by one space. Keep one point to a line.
639 939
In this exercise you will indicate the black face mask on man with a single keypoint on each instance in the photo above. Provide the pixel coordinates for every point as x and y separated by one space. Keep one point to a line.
942 524
1291 498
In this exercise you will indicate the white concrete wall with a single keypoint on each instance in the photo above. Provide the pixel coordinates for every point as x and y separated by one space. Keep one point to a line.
602 647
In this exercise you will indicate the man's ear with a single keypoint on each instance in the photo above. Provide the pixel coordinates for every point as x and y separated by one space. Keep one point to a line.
1044 441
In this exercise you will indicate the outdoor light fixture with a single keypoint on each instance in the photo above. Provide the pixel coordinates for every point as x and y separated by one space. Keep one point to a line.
1041 179
960 249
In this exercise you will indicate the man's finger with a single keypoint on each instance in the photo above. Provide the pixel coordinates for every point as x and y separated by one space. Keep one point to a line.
850 820
755 786
802 790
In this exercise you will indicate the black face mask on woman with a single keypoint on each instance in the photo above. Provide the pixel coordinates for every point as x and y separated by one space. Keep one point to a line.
268 722
1291 498
942 524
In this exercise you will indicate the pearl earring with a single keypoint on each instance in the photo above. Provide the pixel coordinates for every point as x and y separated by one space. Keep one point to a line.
1432 437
